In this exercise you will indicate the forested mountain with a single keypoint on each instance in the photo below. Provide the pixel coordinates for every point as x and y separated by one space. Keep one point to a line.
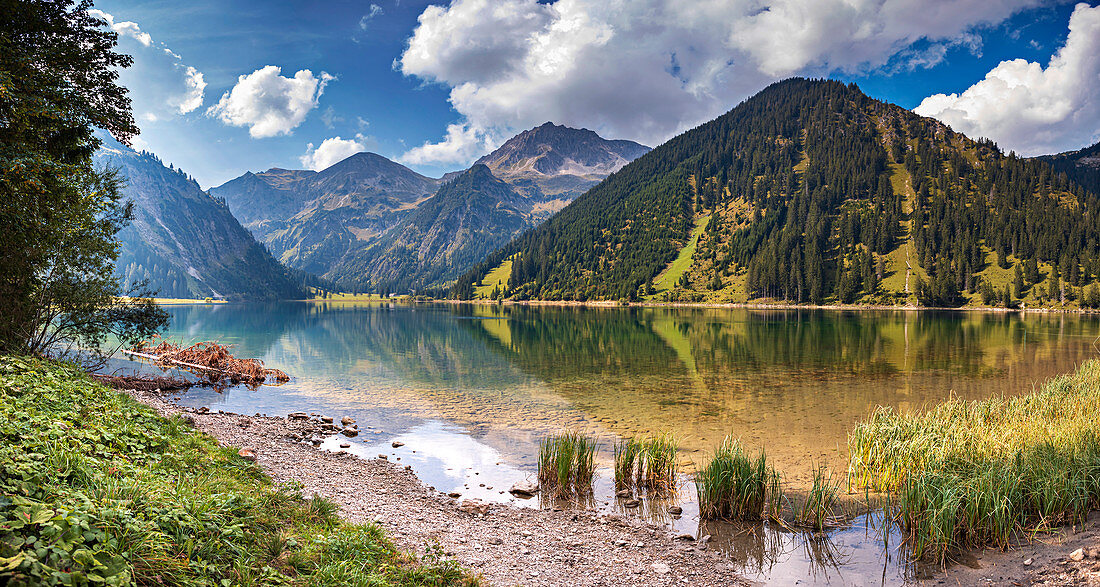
469 217
354 222
811 191
1081 166
186 243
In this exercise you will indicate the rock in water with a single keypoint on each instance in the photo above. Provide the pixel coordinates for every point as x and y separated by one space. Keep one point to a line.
397 444
524 489
350 432
347 420
675 510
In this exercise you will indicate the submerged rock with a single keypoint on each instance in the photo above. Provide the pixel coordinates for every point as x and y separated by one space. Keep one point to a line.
524 488
675 510
347 420
631 503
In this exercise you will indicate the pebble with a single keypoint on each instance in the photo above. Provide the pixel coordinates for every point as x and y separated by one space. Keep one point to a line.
345 445
347 420
1077 555
660 568
675 510
247 454
631 503
397 444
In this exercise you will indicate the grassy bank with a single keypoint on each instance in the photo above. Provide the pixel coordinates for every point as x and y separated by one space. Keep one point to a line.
968 474
97 489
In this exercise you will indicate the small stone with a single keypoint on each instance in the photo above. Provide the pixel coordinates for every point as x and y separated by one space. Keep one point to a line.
660 568
1028 562
685 537
347 420
524 489
623 493
397 444
247 454
326 419
297 416
474 506
454 494
496 541
1077 555
345 445
384 457
631 503
675 510
350 432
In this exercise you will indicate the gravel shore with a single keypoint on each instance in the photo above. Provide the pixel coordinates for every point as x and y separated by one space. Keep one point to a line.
507 545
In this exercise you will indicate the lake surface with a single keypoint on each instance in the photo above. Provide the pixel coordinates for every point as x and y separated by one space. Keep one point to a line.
471 389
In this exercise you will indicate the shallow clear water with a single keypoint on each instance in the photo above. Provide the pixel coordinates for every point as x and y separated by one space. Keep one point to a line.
471 389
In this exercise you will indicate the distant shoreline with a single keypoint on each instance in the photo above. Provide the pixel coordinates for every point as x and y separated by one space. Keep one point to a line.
762 306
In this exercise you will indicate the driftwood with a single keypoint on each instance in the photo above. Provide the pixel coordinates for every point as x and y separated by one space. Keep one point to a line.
209 360
142 382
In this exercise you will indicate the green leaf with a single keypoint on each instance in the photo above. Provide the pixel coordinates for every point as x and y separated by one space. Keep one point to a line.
7 564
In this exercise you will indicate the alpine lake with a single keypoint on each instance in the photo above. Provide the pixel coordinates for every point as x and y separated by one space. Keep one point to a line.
471 389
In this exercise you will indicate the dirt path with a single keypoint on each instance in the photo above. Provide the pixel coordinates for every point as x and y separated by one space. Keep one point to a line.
509 546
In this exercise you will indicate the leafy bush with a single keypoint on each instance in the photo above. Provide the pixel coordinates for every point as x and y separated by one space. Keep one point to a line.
97 489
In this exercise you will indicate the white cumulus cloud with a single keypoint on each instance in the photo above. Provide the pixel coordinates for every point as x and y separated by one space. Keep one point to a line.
333 150
1031 109
647 69
160 82
268 103
462 144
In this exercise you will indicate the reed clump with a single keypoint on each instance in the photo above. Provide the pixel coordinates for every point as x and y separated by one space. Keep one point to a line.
817 510
567 465
969 474
736 486
648 464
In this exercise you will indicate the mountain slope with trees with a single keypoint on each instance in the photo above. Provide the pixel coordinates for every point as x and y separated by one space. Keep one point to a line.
1082 166
186 243
812 192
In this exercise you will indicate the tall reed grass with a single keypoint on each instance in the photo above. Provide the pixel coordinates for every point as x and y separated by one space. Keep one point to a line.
567 465
735 486
969 474
648 464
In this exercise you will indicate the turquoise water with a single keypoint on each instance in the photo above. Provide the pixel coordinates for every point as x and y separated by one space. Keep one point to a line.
471 389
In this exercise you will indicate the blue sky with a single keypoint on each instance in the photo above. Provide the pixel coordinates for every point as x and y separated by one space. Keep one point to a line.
436 86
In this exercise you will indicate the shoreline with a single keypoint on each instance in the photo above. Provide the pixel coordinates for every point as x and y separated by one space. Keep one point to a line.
760 306
534 546
508 545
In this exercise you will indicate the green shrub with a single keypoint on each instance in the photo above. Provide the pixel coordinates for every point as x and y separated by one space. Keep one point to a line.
97 489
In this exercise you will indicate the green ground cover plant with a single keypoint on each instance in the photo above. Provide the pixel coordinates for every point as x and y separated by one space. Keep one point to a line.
96 488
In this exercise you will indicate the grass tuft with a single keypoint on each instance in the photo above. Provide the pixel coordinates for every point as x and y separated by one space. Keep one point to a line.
734 486
566 465
648 464
970 474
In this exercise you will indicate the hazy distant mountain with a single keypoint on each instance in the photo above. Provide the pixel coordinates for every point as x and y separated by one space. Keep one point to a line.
337 223
551 164
185 242
312 221
471 215
1082 166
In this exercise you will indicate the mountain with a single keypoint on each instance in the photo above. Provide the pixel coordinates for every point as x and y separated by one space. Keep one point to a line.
813 192
354 222
1082 166
468 217
313 221
552 164
185 242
